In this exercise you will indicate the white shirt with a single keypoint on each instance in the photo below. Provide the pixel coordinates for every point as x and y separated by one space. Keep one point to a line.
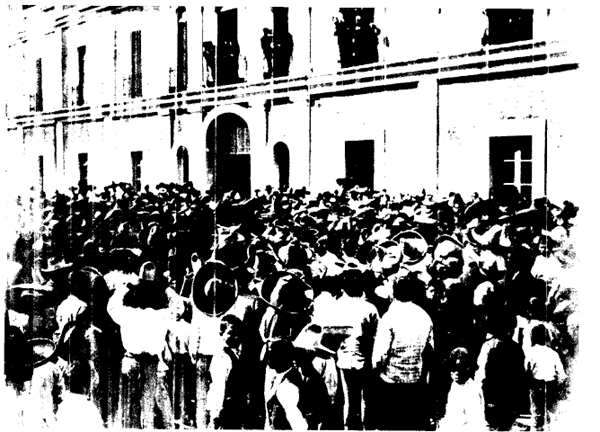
544 364
402 335
359 317
117 279
465 408
142 330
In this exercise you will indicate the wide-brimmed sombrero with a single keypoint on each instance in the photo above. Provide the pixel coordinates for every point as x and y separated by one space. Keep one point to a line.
214 289
413 246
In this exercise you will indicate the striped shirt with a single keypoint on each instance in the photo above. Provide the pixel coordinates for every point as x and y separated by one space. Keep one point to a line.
403 334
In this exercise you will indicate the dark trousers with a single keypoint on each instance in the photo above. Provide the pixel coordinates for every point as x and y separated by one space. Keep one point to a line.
542 396
401 406
355 386
500 417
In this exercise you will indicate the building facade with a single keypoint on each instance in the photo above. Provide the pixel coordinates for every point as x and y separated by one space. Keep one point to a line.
458 99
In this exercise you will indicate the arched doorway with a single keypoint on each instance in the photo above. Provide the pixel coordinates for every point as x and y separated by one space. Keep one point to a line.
281 155
183 165
228 155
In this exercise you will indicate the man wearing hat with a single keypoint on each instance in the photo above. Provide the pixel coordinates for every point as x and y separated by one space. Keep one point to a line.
141 310
401 356
215 293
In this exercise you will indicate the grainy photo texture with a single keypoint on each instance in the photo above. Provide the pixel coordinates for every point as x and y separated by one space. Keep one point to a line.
302 217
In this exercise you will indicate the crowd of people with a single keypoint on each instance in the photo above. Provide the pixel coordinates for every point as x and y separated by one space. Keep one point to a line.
350 309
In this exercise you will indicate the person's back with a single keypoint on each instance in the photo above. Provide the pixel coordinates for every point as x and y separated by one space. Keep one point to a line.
504 365
501 373
545 371
361 318
410 328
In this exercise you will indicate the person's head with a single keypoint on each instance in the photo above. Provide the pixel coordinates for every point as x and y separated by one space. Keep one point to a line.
539 335
501 324
148 271
448 258
279 354
352 283
407 286
460 365
230 330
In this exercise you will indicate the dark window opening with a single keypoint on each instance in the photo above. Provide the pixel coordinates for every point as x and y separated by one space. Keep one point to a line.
511 165
508 26
81 62
136 164
182 50
136 64
39 99
357 37
360 163
83 172
281 155
283 44
228 49
183 165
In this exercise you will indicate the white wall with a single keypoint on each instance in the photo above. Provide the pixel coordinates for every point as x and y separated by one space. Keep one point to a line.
471 113
325 53
190 136
402 125
295 134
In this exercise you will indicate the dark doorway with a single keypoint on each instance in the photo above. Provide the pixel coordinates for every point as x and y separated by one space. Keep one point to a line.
136 168
281 155
41 172
228 155
183 165
360 162
83 171
511 165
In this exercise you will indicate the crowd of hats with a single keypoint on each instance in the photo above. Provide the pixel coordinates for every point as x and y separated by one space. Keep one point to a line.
315 234
176 220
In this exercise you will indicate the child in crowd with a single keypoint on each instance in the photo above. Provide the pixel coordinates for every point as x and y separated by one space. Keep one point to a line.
465 406
545 371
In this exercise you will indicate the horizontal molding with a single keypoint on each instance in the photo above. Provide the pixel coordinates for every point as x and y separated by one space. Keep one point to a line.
513 61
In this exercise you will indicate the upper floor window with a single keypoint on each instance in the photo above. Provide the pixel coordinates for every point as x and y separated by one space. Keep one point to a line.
81 64
136 64
228 49
357 36
182 50
508 26
277 45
